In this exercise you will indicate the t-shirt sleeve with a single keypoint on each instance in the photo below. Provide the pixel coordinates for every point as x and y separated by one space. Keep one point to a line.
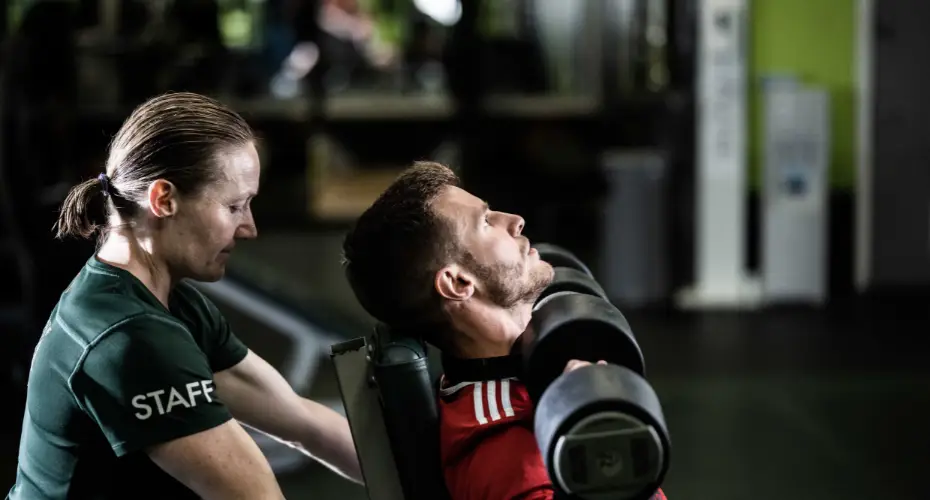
147 382
506 465
223 348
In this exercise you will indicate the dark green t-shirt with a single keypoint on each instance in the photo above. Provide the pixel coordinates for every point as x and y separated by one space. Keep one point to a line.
116 372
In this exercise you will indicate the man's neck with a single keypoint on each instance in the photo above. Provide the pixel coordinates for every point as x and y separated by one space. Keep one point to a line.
488 332
138 258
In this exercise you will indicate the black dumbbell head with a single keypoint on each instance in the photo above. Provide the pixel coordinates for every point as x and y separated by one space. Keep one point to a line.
566 279
576 326
602 434
560 257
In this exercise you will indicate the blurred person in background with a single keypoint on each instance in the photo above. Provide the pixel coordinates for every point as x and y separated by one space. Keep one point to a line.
137 378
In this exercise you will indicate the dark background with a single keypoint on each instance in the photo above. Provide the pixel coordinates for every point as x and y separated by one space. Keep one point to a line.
794 401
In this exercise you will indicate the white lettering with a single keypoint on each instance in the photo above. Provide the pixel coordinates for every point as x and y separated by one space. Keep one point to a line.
207 389
176 399
139 402
145 402
157 395
192 391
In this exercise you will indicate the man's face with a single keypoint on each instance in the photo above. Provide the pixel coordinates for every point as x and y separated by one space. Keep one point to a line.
507 271
201 236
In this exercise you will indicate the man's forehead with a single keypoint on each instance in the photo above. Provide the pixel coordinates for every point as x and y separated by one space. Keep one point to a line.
455 199
460 207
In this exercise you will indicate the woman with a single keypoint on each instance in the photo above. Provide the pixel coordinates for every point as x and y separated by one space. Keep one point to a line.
137 379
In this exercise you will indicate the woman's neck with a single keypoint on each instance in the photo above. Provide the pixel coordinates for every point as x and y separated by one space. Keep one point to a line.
138 258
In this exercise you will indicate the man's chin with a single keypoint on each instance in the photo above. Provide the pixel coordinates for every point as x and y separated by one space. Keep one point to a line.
538 290
547 274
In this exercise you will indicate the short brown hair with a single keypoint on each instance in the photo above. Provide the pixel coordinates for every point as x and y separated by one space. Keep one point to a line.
397 246
175 137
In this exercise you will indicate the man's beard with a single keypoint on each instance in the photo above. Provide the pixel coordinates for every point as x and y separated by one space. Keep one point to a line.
504 286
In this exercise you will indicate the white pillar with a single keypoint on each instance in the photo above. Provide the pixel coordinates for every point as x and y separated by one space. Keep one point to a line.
721 167
865 56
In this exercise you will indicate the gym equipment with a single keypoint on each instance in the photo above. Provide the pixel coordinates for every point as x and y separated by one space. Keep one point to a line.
602 434
389 397
560 257
600 428
571 280
576 326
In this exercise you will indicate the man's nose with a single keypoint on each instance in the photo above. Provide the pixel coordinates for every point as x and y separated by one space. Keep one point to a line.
516 224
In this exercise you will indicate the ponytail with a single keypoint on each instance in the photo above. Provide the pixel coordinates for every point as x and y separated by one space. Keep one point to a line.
83 212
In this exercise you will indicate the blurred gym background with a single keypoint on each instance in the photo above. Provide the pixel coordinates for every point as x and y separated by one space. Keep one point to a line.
749 180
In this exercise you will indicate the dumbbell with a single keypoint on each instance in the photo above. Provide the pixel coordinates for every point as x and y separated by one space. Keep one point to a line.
571 275
560 257
600 428
567 281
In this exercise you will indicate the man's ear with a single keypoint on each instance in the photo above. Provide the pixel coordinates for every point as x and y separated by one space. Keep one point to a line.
453 283
163 198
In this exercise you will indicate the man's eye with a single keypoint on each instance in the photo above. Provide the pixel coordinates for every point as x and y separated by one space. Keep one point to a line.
235 208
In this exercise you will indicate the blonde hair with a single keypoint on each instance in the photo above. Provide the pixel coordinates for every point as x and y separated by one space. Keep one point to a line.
174 137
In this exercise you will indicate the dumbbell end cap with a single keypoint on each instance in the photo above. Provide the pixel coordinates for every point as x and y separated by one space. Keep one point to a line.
608 455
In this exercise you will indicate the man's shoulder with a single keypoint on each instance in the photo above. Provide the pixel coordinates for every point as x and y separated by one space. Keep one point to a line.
487 443
505 390
472 410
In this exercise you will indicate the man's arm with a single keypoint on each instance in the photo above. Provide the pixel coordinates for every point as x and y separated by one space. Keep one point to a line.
258 396
221 463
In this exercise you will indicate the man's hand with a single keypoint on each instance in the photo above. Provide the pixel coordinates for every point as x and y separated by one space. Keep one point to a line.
258 396
577 363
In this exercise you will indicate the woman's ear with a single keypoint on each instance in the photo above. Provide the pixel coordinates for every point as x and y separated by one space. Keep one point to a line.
163 199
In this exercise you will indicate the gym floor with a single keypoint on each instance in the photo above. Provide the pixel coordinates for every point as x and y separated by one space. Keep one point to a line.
783 404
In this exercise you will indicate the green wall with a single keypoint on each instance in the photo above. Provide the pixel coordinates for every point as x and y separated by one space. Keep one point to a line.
815 41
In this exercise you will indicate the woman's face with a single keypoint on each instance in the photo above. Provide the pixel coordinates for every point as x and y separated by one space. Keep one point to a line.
199 238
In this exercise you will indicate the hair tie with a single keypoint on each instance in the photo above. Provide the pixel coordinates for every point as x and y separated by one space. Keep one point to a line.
104 183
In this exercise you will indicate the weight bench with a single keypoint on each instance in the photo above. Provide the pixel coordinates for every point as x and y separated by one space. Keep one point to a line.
389 394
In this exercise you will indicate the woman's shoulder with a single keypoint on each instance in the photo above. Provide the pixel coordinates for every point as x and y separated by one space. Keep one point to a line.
195 309
188 298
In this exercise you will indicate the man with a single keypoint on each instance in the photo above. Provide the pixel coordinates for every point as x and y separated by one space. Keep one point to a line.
432 258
